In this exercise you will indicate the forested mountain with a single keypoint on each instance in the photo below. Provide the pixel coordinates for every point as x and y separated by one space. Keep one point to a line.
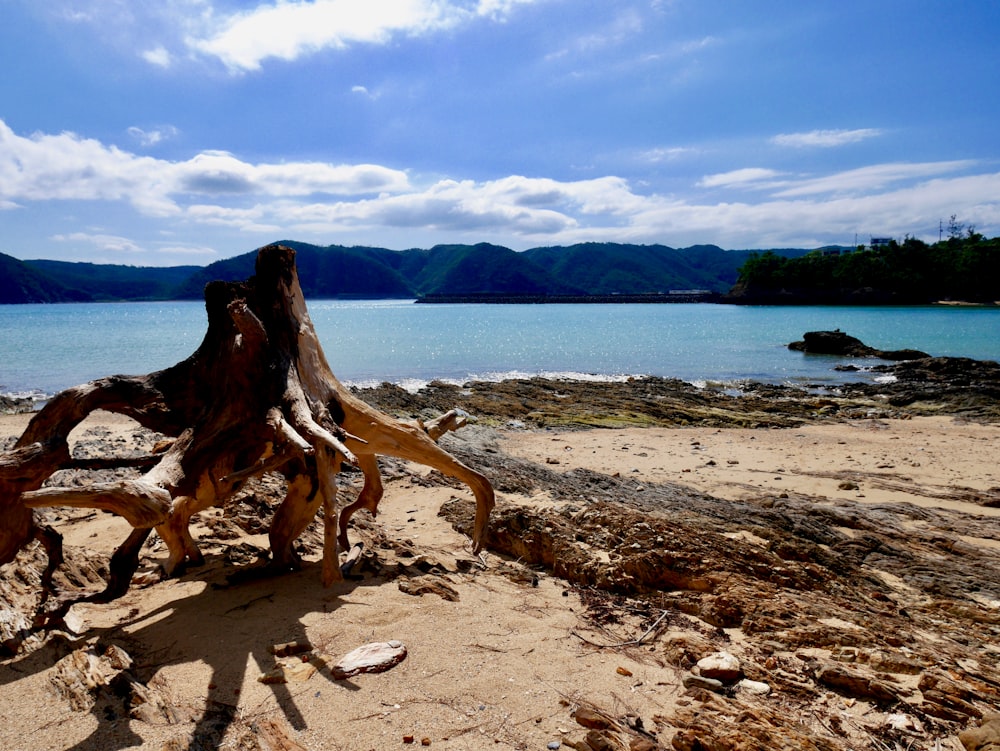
104 282
20 283
965 268
485 269
611 268
358 272
331 272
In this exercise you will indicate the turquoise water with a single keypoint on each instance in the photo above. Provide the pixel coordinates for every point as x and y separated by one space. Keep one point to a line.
45 348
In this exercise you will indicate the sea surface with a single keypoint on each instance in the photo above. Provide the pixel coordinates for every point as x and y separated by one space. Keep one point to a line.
46 348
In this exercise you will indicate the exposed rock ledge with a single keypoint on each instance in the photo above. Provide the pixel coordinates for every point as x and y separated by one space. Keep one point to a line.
838 343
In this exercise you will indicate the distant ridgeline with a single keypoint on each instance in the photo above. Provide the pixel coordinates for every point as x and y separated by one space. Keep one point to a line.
588 272
963 268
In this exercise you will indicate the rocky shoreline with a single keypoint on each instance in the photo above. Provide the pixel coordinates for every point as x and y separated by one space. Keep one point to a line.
931 385
772 620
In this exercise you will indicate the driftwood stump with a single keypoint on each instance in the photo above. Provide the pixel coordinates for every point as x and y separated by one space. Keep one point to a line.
257 395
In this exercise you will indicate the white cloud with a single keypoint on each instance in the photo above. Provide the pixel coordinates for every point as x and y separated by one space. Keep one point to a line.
217 191
288 30
873 178
666 154
69 167
825 138
158 56
113 243
739 177
152 137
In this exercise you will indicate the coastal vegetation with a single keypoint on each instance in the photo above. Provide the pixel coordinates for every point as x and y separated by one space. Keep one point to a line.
965 267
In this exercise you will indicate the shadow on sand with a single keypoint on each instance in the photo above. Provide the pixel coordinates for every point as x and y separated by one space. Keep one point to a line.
224 626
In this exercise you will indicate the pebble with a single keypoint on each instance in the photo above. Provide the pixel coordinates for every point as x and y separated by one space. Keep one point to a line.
758 688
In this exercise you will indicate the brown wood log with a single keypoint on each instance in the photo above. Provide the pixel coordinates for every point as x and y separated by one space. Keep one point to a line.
257 395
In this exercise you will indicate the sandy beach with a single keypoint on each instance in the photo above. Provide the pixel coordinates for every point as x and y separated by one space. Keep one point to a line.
503 653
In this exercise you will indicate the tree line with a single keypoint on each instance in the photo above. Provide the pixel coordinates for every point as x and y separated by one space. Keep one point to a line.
963 267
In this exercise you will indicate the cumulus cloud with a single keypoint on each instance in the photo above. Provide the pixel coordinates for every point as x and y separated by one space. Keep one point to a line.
825 138
365 202
69 167
288 30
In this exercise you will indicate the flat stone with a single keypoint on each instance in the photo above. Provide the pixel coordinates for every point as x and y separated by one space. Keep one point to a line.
856 684
370 658
692 681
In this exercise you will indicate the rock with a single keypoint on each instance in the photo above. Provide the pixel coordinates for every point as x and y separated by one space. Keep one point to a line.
947 699
693 682
600 740
845 654
423 585
839 343
14 627
594 719
984 738
855 684
12 405
887 662
757 688
903 723
721 666
370 658
685 649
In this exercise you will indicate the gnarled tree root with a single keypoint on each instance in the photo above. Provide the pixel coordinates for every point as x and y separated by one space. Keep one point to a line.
257 395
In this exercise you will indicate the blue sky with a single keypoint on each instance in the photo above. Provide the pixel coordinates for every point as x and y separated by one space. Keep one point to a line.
185 131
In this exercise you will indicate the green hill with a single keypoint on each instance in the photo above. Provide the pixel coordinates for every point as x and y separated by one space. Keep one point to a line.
484 269
336 271
104 282
20 283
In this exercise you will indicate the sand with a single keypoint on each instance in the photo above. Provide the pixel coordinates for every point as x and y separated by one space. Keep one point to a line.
504 665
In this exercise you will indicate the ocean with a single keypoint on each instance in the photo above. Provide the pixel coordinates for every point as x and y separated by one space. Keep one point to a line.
46 348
